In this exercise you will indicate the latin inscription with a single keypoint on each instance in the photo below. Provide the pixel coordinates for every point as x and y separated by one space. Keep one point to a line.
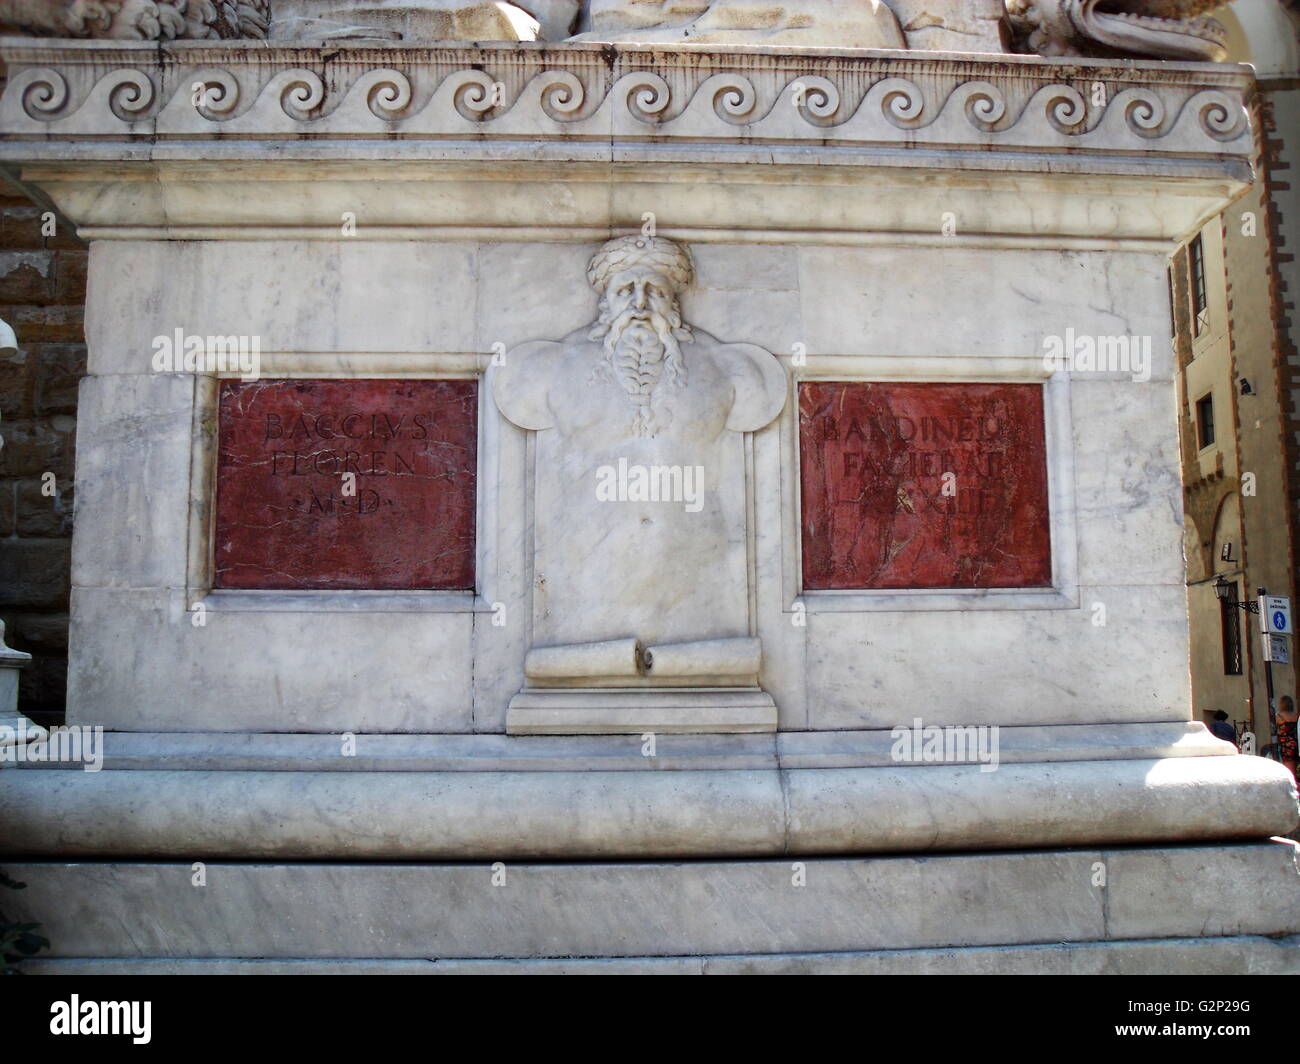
923 486
350 485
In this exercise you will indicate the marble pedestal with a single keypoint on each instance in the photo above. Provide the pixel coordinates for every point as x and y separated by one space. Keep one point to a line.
863 217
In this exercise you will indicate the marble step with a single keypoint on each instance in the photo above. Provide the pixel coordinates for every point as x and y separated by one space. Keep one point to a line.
1235 955
207 751
705 813
1132 908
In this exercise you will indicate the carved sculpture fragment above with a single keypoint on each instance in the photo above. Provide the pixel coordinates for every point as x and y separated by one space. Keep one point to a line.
145 20
453 20
824 23
1162 29
1166 29
435 20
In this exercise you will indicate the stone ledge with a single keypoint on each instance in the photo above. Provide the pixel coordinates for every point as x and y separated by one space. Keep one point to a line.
592 815
1236 955
664 910
489 752
871 199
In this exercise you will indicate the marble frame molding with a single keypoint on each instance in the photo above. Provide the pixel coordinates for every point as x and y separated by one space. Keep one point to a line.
341 366
1064 591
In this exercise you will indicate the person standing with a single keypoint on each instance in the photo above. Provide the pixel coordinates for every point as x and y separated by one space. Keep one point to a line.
1287 747
1222 728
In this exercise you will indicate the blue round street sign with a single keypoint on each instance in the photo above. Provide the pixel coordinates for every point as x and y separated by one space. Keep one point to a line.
1279 619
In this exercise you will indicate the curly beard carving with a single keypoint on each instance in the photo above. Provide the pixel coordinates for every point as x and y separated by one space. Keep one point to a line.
643 348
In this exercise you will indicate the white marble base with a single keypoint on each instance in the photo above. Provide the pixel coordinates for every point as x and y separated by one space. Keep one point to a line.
139 562
310 752
788 913
1234 955
540 812
892 234
574 711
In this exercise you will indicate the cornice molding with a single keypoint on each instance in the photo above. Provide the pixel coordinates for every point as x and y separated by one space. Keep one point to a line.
228 140
103 90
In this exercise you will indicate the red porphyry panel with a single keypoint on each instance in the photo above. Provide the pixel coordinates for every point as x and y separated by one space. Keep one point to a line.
285 516
878 508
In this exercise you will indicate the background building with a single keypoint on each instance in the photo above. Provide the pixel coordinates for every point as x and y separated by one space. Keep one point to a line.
1233 290
42 292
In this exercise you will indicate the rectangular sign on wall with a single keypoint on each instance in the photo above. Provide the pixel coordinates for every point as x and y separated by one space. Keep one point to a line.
346 484
1277 650
1275 614
934 485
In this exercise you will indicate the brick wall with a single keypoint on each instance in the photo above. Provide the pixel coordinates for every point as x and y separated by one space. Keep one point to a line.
42 293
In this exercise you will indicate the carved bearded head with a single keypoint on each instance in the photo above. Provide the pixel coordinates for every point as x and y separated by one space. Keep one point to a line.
639 279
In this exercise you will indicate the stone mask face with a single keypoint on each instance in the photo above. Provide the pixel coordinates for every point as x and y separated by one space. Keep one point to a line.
641 315
640 292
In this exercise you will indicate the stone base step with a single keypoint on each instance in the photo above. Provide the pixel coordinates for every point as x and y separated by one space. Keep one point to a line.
1108 899
1238 955
487 752
539 813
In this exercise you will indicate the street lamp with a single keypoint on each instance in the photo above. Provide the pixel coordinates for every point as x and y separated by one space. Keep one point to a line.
1223 589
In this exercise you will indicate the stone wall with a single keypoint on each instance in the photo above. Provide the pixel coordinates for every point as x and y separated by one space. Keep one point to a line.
42 292
1281 116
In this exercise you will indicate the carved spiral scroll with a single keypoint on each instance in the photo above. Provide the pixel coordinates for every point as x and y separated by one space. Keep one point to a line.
475 94
901 102
214 93
1065 109
387 93
44 93
130 94
735 99
1144 112
563 94
817 99
1220 116
985 105
302 93
648 97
